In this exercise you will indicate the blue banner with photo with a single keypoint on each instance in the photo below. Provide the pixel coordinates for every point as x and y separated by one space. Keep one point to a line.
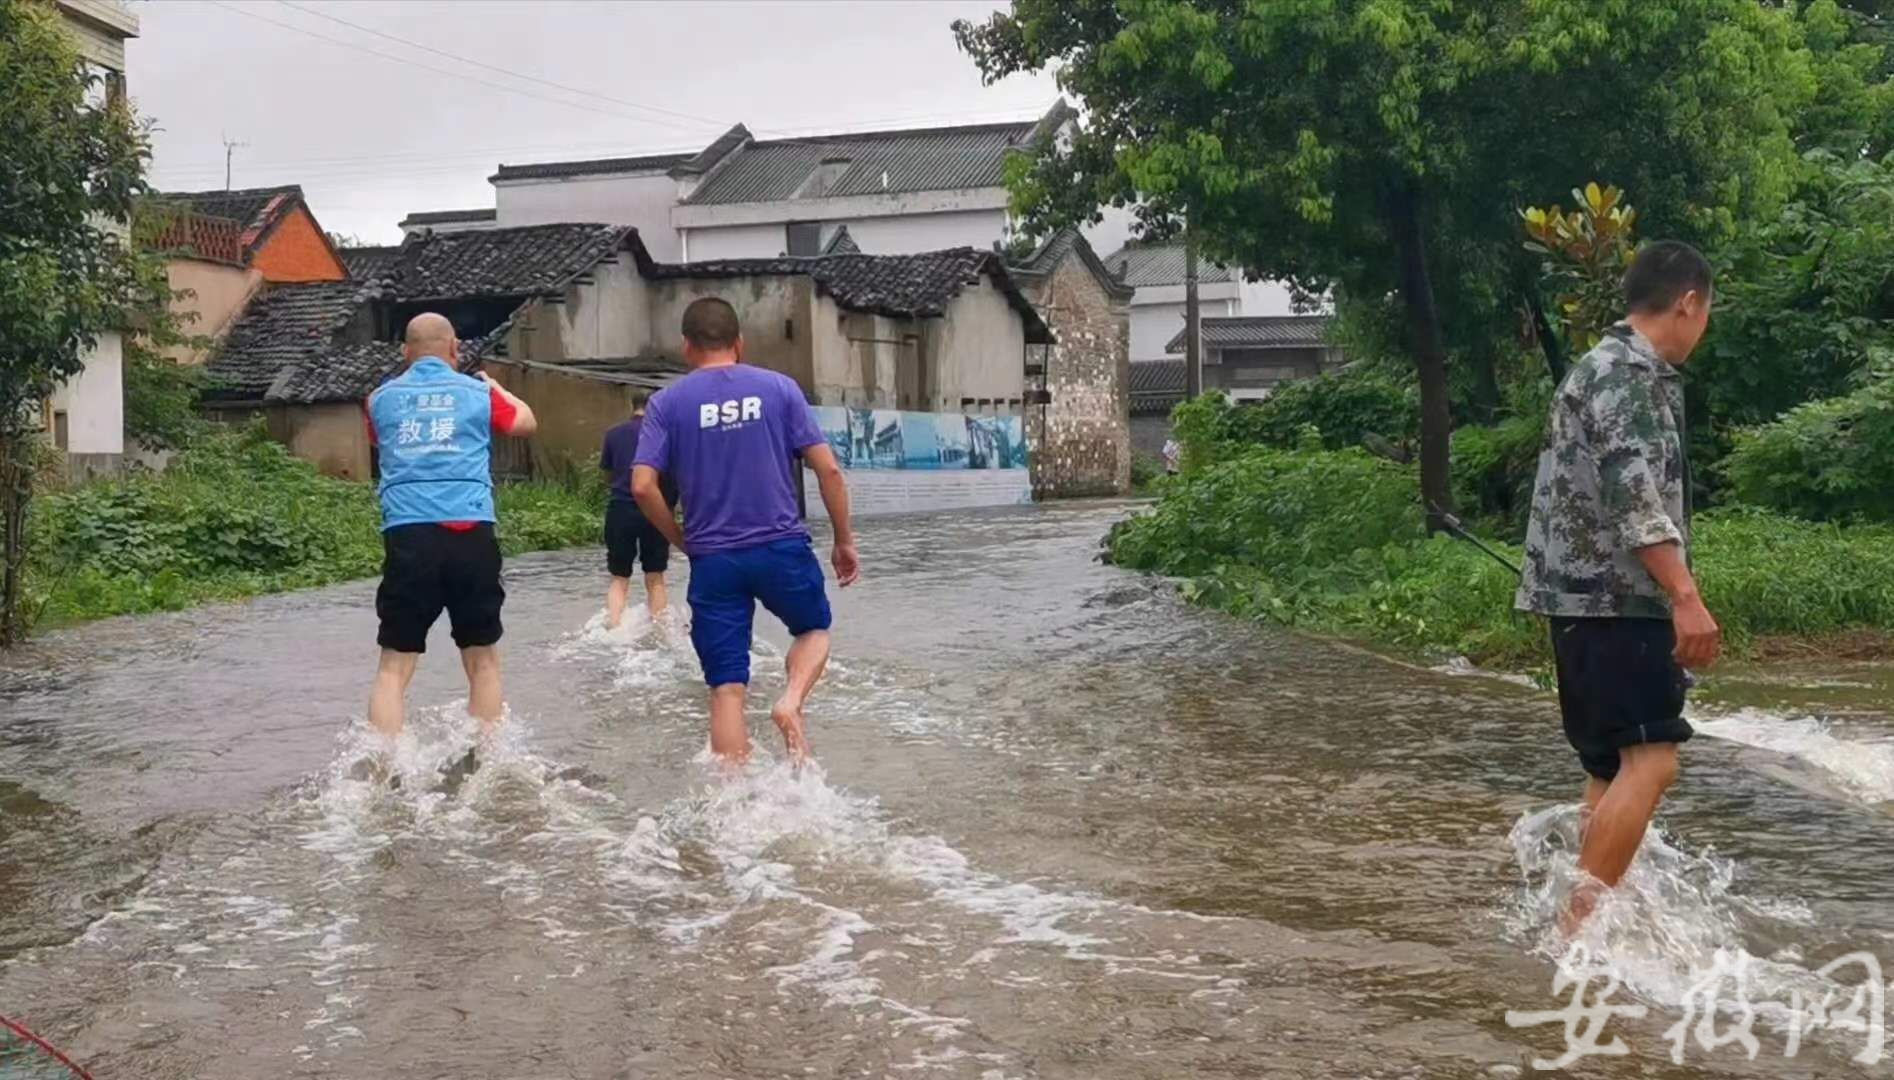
893 439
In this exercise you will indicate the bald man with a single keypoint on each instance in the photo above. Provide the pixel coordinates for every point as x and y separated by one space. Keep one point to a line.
435 428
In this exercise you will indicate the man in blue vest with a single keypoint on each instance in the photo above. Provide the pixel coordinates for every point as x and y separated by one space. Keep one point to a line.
435 429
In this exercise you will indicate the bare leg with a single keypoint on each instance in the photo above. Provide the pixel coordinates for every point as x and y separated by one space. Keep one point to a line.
615 598
391 686
1618 824
484 701
808 657
656 597
729 735
1594 793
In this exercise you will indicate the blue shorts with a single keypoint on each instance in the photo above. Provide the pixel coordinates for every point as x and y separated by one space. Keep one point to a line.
725 587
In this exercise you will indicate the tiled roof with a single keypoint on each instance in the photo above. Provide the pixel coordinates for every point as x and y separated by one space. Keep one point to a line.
1260 332
841 244
902 286
280 328
871 163
350 372
1143 264
1156 385
369 263
1069 241
449 217
547 170
526 260
245 205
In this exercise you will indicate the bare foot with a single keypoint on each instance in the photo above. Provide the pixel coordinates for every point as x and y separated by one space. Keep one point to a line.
612 624
1579 906
788 720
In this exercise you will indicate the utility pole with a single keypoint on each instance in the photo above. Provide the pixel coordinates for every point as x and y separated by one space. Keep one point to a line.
1193 324
230 149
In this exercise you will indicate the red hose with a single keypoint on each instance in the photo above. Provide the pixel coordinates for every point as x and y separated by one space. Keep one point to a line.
46 1046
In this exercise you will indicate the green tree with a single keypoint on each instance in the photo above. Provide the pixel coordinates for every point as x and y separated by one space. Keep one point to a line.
73 163
1380 147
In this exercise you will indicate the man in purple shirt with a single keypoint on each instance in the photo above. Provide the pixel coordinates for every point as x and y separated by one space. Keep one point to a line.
728 434
630 539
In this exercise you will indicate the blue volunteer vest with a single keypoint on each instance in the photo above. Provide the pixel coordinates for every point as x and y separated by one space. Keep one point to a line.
434 426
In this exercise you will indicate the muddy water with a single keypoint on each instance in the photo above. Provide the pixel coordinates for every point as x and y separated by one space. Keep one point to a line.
1063 826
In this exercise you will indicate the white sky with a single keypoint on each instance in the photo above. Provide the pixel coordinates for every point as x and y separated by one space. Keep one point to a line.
371 138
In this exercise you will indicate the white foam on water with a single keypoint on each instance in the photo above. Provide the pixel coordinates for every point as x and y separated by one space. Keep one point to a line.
1673 922
1865 769
1461 667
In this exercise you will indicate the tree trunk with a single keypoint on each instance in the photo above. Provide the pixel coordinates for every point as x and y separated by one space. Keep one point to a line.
1486 392
1193 320
1430 357
16 486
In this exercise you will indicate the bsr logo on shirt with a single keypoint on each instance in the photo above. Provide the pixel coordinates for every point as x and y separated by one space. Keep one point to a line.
710 413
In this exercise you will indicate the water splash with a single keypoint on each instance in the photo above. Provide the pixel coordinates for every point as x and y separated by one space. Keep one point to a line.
1863 769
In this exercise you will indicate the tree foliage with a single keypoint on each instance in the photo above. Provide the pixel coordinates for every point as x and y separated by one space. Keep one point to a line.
1586 253
1383 146
72 165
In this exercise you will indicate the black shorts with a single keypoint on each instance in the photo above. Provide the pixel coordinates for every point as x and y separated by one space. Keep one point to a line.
1619 686
426 568
630 538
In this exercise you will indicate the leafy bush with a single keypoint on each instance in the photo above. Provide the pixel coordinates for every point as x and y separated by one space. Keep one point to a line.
1493 472
1342 408
1331 542
1275 510
1827 460
1147 470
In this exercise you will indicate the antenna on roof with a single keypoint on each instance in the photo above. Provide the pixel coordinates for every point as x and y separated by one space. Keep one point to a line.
230 148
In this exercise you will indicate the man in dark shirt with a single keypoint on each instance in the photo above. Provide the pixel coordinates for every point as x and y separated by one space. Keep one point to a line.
630 537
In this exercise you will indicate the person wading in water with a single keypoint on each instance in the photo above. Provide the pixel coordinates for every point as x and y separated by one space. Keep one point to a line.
630 538
728 433
1607 559
435 428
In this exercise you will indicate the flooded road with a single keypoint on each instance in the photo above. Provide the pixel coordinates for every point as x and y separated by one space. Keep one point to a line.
1064 826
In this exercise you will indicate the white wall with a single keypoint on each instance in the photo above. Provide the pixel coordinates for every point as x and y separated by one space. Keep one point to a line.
1267 298
610 319
642 200
1154 325
94 401
982 352
899 235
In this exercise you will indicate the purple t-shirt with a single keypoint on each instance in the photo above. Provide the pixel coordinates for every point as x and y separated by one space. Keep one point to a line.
729 435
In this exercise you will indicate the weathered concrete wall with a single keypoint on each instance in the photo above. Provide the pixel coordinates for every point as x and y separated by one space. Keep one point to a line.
219 291
979 354
776 312
1081 440
332 437
573 412
610 318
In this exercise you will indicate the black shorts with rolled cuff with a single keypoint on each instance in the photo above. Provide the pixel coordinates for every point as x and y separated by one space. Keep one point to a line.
1619 685
631 540
427 569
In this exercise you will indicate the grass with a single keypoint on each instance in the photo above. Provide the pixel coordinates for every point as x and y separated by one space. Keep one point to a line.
236 516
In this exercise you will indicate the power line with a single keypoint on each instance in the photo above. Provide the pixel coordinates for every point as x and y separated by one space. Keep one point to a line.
495 68
405 62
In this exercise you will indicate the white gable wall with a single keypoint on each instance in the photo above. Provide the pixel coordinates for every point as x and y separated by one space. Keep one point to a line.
641 200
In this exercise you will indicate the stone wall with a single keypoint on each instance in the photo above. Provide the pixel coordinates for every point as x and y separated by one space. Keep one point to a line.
1081 441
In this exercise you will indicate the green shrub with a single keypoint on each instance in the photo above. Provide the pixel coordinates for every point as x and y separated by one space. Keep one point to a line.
1147 470
1331 542
1493 469
1827 460
1342 408
1273 509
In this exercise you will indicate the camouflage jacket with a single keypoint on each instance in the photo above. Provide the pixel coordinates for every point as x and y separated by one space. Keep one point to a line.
1612 479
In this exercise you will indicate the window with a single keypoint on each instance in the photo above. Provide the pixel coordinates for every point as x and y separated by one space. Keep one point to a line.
803 237
59 429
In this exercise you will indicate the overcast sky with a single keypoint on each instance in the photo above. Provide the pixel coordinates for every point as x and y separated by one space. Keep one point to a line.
372 137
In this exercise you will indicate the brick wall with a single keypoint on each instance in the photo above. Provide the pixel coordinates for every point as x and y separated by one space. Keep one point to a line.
1081 442
296 251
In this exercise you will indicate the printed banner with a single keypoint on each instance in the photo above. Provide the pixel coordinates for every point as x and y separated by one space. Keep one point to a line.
893 439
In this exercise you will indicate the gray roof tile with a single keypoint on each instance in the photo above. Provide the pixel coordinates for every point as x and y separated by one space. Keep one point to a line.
370 263
279 328
902 286
1260 332
526 260
244 205
546 170
449 217
1143 264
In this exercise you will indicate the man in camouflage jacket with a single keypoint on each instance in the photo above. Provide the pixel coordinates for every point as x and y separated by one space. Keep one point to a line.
1607 559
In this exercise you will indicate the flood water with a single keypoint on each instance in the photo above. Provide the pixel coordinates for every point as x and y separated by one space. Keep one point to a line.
1063 826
